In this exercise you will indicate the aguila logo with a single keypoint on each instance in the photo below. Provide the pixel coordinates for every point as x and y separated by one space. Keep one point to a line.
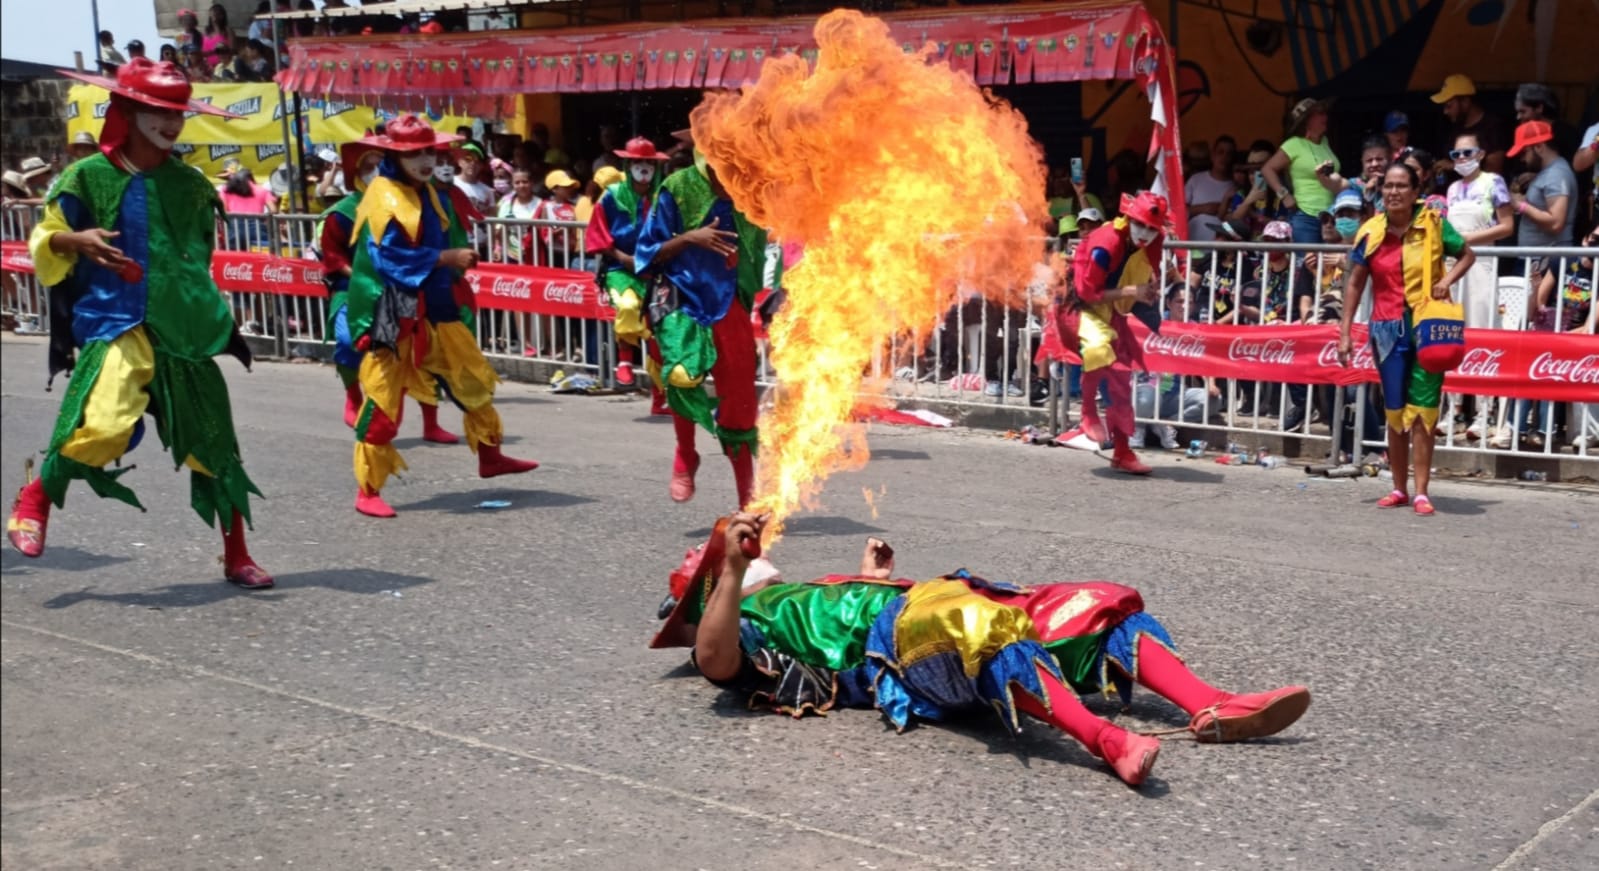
1548 367
1275 351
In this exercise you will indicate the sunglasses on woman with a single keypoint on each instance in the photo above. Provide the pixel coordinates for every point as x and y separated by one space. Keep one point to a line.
1464 153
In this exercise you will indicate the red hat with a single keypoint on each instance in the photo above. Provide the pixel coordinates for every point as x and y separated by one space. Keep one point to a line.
350 155
161 85
410 133
691 582
1148 208
1530 134
639 148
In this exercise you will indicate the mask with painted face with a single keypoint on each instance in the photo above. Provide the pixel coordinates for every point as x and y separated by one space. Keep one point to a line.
1141 234
1346 227
643 173
161 129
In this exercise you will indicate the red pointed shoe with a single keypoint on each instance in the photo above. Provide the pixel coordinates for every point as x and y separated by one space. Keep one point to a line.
491 462
371 504
1256 715
1124 459
431 431
30 515
249 576
1130 755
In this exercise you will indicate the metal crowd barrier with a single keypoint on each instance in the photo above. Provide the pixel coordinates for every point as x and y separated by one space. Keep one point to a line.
982 354
26 304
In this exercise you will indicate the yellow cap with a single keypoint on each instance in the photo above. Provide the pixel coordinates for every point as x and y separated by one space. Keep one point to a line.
1456 85
559 179
606 176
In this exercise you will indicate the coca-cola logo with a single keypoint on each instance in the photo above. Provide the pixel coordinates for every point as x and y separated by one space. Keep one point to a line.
571 294
1180 345
1480 363
19 259
239 272
1548 367
1359 359
1278 352
512 288
277 273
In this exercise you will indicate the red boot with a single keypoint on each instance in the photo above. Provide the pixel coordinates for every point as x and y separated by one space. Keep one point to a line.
1122 459
683 472
431 431
1256 715
491 462
658 402
30 514
370 503
352 404
1131 755
743 475
237 565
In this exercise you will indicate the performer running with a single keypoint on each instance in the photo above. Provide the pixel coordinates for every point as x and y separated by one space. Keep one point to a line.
928 649
125 247
407 304
709 260
613 234
334 241
1113 269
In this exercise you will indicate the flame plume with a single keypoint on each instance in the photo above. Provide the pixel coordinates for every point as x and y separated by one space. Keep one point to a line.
902 180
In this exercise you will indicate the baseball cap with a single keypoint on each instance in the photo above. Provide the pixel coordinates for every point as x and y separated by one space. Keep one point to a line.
1396 120
1091 214
1456 85
1348 198
328 155
135 45
1530 134
559 179
1277 231
1068 224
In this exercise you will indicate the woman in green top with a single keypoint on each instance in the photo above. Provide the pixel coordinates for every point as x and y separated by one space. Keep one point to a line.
1304 171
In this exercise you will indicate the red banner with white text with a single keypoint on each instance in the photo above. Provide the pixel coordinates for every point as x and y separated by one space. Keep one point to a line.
1532 365
254 272
14 257
541 290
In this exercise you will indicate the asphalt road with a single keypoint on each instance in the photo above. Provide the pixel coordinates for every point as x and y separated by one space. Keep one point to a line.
466 688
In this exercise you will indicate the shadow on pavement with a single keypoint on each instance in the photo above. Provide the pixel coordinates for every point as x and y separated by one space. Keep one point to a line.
355 581
467 502
1180 474
654 418
61 559
899 454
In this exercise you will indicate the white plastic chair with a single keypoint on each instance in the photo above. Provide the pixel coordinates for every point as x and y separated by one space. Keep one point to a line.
1513 296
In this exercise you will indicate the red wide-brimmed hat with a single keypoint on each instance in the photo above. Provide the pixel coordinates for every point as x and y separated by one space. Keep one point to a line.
410 133
691 582
639 148
1148 208
159 84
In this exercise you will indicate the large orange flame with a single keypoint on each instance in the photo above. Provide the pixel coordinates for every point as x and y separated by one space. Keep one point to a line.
902 180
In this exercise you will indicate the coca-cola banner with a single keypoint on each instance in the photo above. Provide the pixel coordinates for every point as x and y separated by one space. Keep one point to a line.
251 272
1532 365
14 257
541 290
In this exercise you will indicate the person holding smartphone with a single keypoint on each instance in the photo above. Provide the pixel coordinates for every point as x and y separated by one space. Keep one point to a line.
1304 171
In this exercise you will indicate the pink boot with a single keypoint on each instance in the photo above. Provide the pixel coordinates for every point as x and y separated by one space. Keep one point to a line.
491 462
30 515
370 503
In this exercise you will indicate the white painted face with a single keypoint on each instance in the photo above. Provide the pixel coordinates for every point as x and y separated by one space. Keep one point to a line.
419 166
642 172
444 172
369 168
1141 233
160 127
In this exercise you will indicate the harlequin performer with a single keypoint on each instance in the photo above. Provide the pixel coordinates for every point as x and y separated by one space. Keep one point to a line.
1113 271
409 309
334 242
925 650
125 246
710 261
613 234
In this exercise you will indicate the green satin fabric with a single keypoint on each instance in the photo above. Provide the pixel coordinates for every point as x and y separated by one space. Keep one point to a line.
819 624
1079 658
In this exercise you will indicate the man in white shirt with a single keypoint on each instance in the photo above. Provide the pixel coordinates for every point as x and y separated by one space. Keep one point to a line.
469 166
1207 193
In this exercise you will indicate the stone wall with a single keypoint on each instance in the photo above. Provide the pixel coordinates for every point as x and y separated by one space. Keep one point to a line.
34 120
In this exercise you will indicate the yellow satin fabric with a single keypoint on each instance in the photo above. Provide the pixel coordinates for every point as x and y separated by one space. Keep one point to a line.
944 616
630 325
1406 418
117 401
679 379
387 200
49 266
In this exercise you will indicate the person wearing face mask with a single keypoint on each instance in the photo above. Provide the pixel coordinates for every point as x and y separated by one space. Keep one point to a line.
1478 205
125 248
410 312
710 262
613 234
1112 273
334 238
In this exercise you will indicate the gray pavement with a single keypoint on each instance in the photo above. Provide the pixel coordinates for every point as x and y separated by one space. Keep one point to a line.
463 688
